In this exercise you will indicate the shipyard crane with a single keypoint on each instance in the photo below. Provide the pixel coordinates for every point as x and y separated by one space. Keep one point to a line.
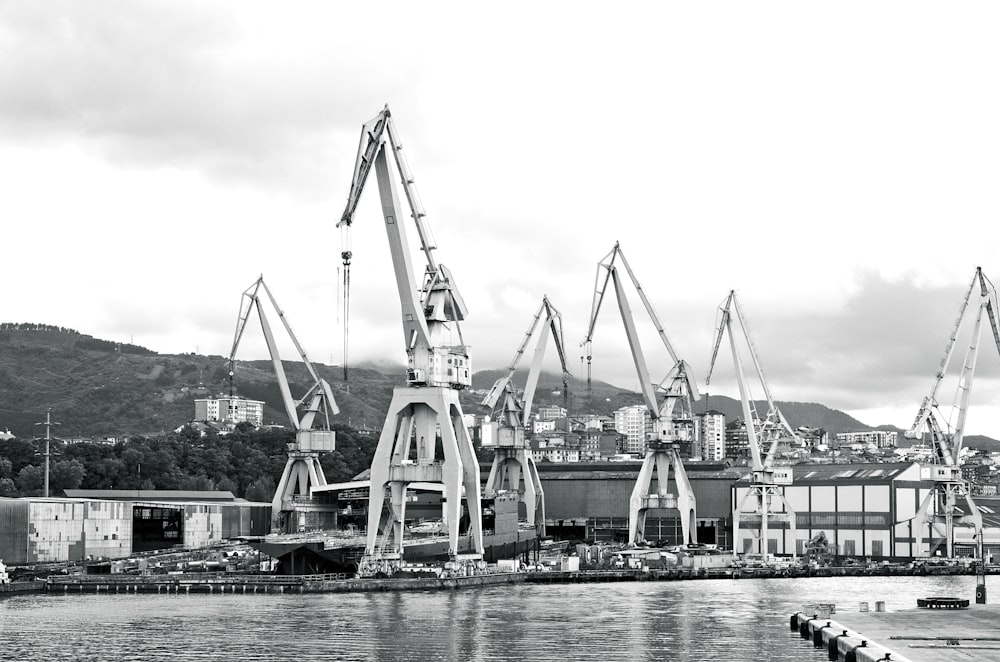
672 419
426 412
941 507
313 435
767 481
511 412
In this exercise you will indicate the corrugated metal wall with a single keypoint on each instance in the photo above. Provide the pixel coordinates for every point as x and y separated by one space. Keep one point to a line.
202 525
13 531
56 531
107 529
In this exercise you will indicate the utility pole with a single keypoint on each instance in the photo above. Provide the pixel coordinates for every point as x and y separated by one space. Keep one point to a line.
48 423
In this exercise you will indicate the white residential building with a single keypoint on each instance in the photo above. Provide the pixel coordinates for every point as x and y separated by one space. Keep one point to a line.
229 410
880 438
712 433
633 422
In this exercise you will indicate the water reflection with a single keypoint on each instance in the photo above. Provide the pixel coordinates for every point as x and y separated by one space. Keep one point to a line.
655 621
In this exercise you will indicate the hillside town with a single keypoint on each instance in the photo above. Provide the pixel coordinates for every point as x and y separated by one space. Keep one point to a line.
555 436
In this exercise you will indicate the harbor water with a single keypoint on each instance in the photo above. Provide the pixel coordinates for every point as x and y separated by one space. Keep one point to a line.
711 619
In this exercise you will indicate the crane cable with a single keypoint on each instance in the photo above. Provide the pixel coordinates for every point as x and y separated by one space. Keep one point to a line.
346 255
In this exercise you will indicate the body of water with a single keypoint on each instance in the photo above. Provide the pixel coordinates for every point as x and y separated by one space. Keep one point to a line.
715 619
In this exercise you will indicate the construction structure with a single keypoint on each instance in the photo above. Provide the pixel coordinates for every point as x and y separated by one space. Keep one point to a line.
511 413
425 415
672 419
767 481
943 506
313 435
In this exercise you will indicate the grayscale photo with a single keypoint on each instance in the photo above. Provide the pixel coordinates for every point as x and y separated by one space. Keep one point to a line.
637 331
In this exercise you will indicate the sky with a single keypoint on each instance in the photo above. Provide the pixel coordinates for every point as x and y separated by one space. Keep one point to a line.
834 163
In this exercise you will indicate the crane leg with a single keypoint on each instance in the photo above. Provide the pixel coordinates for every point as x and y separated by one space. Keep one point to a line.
685 497
737 515
539 495
920 521
636 509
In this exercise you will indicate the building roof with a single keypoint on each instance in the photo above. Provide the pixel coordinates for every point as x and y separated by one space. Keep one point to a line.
877 472
152 495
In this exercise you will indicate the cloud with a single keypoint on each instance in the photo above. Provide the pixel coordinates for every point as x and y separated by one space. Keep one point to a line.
146 85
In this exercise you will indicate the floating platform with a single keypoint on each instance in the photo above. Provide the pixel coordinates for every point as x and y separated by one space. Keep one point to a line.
909 635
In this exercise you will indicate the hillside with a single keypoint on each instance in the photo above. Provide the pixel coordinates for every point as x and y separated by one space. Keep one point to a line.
101 388
97 387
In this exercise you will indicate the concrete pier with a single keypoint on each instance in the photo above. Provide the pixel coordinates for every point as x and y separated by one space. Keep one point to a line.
908 635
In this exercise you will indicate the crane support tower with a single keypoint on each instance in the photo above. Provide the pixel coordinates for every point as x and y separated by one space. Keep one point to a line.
941 507
313 435
425 415
767 481
672 419
510 414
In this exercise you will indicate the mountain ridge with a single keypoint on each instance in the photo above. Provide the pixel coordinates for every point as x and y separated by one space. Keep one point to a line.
96 387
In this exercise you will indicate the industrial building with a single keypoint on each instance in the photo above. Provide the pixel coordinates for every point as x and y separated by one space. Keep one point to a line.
46 530
864 510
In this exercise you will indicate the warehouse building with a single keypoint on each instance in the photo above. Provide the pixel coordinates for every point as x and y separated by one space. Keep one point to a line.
46 530
864 510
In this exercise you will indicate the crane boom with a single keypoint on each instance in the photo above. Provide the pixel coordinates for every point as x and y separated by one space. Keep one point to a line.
551 326
433 309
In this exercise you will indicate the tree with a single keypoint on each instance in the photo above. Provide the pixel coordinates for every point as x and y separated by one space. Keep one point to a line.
30 480
261 490
66 475
7 488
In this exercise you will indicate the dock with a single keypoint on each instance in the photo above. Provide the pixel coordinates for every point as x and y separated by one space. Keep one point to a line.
907 635
270 584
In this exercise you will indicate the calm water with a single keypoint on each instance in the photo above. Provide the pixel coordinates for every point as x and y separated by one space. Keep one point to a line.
744 619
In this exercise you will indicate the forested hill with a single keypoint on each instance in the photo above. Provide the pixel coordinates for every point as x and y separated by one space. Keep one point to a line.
96 387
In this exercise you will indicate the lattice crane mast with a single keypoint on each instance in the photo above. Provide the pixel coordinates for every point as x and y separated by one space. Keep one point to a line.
313 435
511 412
766 479
941 506
425 414
672 419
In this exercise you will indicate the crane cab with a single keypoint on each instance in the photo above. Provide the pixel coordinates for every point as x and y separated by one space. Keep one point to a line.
443 366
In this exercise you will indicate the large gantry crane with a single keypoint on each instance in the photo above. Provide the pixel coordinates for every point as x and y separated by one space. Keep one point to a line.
426 411
511 412
672 419
312 430
941 506
766 480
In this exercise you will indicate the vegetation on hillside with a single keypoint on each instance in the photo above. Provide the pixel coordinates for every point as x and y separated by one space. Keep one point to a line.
246 462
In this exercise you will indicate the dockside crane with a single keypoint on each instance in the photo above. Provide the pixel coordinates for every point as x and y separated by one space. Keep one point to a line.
510 413
672 419
425 413
941 507
767 481
313 435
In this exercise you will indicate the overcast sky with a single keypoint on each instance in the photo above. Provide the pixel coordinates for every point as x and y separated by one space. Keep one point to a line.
835 163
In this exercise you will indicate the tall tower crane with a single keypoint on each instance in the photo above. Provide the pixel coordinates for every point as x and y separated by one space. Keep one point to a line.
312 430
672 419
766 479
511 413
425 413
941 506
